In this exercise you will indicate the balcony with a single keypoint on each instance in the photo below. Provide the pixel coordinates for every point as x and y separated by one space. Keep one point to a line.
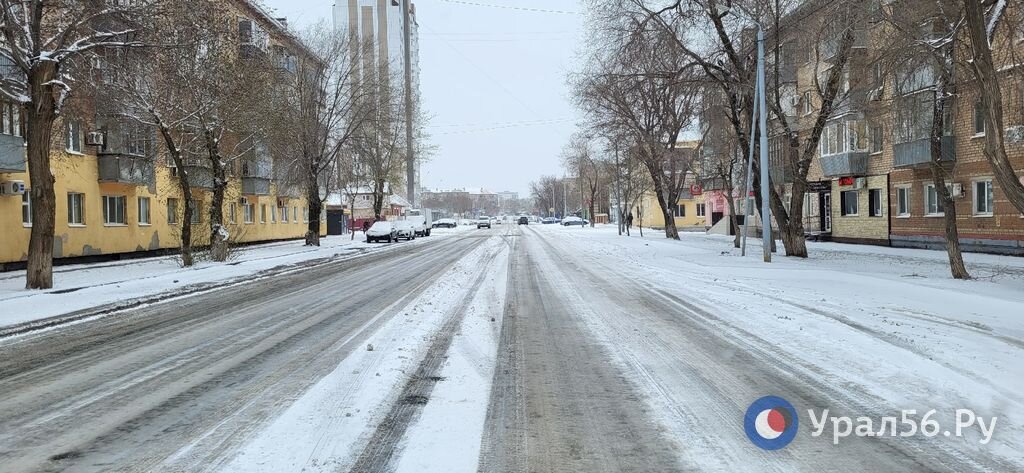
854 101
200 173
713 184
126 169
787 73
256 175
918 152
851 163
830 48
12 153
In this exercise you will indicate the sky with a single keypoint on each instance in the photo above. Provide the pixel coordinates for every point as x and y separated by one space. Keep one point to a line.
493 82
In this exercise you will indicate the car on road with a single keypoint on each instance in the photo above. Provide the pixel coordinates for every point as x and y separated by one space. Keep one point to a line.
549 220
570 221
483 221
446 223
405 229
524 220
382 231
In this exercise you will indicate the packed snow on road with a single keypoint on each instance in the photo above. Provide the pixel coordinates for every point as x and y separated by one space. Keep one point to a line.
526 348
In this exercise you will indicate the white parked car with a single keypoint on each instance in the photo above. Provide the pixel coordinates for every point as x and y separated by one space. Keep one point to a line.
405 229
483 221
381 231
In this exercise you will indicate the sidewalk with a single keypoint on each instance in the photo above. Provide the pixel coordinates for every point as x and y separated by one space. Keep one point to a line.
85 286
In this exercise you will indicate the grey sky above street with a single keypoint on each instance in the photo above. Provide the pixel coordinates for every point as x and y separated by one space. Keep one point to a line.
493 81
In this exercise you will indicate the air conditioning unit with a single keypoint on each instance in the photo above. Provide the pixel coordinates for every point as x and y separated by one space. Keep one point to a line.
95 138
957 190
12 187
860 183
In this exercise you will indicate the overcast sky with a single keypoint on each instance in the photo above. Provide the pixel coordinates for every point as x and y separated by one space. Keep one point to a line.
493 79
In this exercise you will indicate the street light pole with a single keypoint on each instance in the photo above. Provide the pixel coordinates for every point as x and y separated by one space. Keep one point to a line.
410 156
766 211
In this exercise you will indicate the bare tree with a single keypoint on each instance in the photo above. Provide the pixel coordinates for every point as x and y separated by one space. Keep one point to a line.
579 156
322 107
642 88
984 20
729 61
379 143
42 39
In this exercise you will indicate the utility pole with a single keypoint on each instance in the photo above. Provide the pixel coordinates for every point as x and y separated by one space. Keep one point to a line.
410 155
618 191
766 210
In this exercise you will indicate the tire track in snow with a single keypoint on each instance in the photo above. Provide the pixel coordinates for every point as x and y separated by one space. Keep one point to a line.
383 446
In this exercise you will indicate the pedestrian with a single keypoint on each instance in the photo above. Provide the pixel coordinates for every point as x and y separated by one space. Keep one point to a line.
629 220
366 225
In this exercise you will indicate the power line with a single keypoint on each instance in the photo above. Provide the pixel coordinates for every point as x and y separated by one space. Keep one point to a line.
510 7
518 122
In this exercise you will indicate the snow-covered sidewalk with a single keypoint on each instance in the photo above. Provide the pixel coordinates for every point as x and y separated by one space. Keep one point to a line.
86 286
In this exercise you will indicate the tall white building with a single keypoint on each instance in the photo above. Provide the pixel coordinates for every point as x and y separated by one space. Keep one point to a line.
377 25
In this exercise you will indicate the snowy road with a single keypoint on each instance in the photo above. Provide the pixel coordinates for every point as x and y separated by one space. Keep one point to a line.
530 349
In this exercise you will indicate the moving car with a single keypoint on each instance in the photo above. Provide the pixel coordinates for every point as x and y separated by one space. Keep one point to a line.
405 229
445 223
382 231
483 221
524 220
569 221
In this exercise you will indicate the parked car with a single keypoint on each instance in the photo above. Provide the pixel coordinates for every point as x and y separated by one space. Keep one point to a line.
483 221
524 220
382 231
446 223
569 221
405 229
421 220
549 220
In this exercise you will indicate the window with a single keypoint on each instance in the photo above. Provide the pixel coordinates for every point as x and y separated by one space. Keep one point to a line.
902 201
76 209
74 136
10 122
284 214
808 107
680 210
843 137
263 213
876 138
874 202
273 215
295 214
114 207
979 119
932 205
983 197
305 215
701 210
26 208
197 211
231 213
848 203
172 211
144 211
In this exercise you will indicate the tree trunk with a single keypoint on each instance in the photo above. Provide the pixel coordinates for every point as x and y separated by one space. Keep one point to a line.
733 217
314 203
184 186
956 259
218 234
992 102
378 200
39 118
